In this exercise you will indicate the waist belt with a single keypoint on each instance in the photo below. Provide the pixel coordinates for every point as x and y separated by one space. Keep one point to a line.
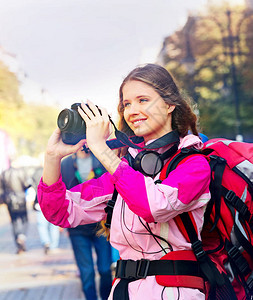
175 269
139 269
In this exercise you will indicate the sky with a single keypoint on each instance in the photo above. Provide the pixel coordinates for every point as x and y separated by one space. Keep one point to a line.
75 50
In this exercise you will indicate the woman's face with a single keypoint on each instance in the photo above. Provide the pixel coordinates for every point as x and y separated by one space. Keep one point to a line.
145 111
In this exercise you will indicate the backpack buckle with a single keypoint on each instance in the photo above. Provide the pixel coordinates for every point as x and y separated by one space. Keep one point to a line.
132 269
142 269
110 205
250 283
126 269
238 204
198 250
218 159
231 197
239 260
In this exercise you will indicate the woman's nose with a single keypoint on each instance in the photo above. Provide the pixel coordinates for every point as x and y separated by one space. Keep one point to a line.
134 109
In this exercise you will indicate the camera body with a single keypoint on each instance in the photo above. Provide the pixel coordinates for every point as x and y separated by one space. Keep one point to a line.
71 124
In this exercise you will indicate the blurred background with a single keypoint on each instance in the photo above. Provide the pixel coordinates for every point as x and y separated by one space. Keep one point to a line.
53 54
56 53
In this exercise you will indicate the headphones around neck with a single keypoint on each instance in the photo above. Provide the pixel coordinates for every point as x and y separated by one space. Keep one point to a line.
150 162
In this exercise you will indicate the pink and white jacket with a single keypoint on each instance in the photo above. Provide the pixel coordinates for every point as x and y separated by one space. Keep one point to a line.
185 189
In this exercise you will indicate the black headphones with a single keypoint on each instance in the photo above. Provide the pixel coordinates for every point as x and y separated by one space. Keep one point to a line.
150 162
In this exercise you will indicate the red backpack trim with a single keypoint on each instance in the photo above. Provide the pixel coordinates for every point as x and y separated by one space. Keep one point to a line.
183 280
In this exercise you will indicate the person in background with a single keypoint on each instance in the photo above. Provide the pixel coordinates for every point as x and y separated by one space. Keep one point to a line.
76 169
48 232
14 182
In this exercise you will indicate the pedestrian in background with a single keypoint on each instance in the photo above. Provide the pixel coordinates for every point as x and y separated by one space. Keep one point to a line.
14 183
76 169
48 232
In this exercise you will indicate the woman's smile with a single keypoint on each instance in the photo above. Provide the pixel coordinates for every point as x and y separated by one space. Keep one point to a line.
138 122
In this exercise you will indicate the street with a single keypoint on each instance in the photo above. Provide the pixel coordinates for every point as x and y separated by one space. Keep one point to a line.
32 274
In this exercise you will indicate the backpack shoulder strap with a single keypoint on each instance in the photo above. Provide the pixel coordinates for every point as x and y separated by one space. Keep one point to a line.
217 165
207 267
177 158
109 208
188 228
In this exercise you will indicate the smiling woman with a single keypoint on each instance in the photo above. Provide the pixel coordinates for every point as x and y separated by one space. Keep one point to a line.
142 226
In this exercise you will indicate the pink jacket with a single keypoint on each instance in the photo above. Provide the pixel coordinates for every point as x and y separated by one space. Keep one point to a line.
185 189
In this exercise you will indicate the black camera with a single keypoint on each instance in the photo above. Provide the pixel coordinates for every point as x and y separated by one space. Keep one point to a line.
71 124
73 128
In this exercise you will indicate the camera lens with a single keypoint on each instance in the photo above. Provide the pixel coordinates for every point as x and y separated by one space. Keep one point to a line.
64 119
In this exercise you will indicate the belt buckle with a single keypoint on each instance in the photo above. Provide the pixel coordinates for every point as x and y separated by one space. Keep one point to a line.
143 263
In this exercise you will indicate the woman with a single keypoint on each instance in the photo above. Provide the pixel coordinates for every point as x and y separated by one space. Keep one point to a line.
143 227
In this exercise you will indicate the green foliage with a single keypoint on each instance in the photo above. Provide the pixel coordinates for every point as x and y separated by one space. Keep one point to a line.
211 83
9 87
29 125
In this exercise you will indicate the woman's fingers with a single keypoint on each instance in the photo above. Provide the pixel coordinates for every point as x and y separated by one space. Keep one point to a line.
94 109
104 113
85 112
79 145
82 114
90 110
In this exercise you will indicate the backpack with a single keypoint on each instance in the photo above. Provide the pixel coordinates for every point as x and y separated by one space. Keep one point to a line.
227 234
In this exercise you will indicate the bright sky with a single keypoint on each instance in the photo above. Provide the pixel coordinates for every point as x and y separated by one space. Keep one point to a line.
78 49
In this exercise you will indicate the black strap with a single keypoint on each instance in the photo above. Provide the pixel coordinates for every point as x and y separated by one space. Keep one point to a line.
247 246
217 165
224 292
237 259
169 138
121 290
140 269
236 202
208 268
240 268
130 270
109 208
233 201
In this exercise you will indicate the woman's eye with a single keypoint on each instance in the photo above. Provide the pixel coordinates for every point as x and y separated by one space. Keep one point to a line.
126 104
143 100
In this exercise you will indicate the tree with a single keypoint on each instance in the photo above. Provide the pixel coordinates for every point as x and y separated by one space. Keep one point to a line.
29 125
204 41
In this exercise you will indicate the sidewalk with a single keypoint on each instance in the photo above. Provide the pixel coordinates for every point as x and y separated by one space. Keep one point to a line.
34 275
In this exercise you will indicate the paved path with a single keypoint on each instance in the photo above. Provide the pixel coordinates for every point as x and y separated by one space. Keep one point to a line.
34 275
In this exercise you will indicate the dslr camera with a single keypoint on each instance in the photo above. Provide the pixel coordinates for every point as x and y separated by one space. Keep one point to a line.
71 124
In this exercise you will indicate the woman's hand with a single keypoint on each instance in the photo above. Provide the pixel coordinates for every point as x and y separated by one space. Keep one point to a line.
57 149
98 126
98 129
